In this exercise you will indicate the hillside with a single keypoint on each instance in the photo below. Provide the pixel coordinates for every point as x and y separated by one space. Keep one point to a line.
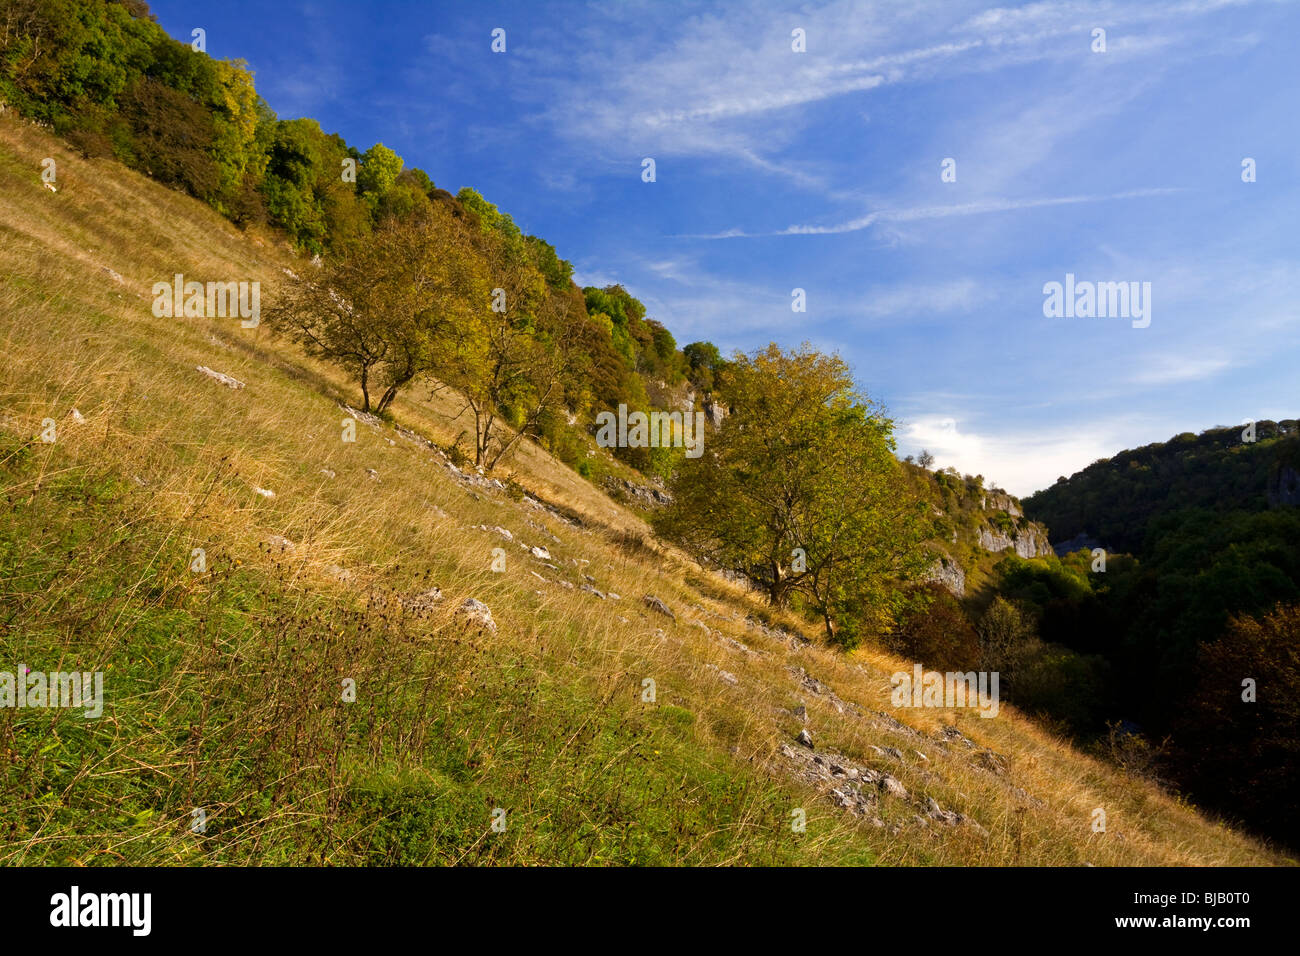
1115 500
329 563
1211 574
975 527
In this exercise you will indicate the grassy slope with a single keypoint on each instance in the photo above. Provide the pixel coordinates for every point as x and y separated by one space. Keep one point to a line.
223 689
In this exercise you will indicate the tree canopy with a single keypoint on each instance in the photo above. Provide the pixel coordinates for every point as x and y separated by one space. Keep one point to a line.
800 491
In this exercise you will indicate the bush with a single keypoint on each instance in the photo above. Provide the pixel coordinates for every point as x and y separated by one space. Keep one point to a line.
1133 753
172 137
456 452
1244 755
934 630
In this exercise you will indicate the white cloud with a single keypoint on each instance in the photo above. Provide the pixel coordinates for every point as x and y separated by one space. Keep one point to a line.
1168 370
906 301
1020 462
726 83
981 207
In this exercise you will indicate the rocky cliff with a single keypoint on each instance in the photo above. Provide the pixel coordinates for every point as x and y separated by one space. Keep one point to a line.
1284 487
973 524
1028 542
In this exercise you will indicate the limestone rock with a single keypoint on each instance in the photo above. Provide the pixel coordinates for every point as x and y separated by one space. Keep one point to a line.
221 377
476 612
655 604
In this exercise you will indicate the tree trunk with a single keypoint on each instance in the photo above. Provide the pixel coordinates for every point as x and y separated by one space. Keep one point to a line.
486 438
389 394
777 592
504 448
830 626
365 389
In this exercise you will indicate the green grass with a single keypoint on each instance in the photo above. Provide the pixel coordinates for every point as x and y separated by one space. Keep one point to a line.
223 692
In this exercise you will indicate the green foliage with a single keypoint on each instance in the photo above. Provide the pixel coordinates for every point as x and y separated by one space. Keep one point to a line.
490 219
173 138
703 364
1069 689
1163 644
624 315
1002 522
1244 755
1115 500
392 310
558 272
1040 581
305 192
804 462
933 628
380 167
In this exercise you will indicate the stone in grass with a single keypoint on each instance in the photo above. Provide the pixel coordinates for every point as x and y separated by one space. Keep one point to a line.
342 575
590 590
424 601
805 738
654 604
477 612
221 377
541 554
936 812
893 787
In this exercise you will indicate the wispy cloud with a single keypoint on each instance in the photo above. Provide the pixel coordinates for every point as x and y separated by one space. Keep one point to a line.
981 207
726 82
1169 369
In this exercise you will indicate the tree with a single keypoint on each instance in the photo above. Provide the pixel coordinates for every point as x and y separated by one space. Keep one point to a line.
235 118
391 309
1239 736
623 311
380 167
295 157
925 459
492 222
524 351
558 272
1003 633
703 362
934 630
173 137
800 491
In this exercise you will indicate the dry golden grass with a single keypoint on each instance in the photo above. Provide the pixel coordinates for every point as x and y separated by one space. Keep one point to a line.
186 455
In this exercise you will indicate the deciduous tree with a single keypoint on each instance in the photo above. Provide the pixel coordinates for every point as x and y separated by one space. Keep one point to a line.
799 490
402 305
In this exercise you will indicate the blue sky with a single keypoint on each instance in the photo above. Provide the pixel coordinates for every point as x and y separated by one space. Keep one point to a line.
821 170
